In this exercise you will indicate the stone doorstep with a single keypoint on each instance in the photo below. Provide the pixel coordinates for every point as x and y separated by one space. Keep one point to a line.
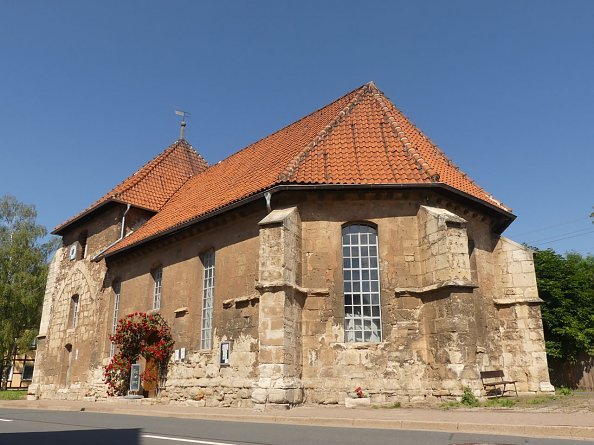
357 403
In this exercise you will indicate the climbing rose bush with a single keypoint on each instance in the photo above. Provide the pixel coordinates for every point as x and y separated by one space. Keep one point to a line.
138 334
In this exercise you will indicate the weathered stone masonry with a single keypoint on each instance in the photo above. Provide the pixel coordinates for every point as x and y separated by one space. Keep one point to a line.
447 312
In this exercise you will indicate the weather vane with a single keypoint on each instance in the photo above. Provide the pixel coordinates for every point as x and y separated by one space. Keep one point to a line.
182 131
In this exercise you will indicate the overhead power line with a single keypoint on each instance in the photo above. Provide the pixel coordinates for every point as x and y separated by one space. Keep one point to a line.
557 235
566 237
552 226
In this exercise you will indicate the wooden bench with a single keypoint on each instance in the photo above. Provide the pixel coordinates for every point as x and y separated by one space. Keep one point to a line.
492 379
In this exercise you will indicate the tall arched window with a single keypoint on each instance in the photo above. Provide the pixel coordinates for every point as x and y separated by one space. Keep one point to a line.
157 279
360 265
208 263
73 313
117 287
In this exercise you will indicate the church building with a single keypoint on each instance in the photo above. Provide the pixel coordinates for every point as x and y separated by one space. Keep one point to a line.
342 251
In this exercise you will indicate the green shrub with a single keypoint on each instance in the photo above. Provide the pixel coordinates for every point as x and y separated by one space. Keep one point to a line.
468 398
565 391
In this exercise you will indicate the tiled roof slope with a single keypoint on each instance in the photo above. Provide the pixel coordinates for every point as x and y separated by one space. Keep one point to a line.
152 186
361 138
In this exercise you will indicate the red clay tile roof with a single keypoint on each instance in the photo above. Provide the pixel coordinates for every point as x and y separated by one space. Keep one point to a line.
152 186
361 138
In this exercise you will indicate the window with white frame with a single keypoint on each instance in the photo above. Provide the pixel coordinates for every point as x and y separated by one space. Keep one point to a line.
207 299
362 307
74 308
117 287
157 278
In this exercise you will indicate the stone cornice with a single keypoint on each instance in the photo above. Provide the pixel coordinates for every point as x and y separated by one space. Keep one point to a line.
283 285
436 286
517 300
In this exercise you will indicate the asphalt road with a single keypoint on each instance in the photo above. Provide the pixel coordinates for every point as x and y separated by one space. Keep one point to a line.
19 427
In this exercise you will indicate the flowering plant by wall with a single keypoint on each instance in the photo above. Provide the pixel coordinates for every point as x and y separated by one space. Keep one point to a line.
138 334
359 394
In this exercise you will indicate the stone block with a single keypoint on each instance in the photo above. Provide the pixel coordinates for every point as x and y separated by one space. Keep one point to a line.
363 402
524 280
521 255
277 395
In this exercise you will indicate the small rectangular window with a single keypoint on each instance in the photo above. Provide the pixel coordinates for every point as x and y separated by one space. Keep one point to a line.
207 299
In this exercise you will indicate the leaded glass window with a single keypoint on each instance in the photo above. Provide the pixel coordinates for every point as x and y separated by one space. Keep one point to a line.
207 299
362 307
157 277
117 286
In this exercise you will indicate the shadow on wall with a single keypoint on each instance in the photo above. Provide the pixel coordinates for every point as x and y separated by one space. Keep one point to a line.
79 437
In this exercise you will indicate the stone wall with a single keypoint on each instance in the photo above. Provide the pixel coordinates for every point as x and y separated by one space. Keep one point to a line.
441 320
456 299
281 303
201 381
523 353
69 356
197 378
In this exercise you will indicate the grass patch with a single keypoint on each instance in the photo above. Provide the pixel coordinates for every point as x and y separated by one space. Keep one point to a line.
390 406
565 391
500 402
12 395
450 404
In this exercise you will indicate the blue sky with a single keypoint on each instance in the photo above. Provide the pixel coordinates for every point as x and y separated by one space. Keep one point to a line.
88 91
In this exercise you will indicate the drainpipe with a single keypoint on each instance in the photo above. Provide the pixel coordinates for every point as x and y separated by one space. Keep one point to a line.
119 239
268 197
124 222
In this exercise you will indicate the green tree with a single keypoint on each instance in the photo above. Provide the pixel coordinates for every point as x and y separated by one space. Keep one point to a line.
23 272
566 284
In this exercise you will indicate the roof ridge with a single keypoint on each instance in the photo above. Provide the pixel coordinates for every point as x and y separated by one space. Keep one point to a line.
446 159
148 168
291 169
408 148
251 144
131 182
187 149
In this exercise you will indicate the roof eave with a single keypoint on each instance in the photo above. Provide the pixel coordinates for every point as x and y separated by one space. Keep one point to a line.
59 230
507 217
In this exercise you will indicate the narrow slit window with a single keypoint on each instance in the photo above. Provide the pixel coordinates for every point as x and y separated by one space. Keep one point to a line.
82 240
362 306
157 278
117 287
74 308
207 299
